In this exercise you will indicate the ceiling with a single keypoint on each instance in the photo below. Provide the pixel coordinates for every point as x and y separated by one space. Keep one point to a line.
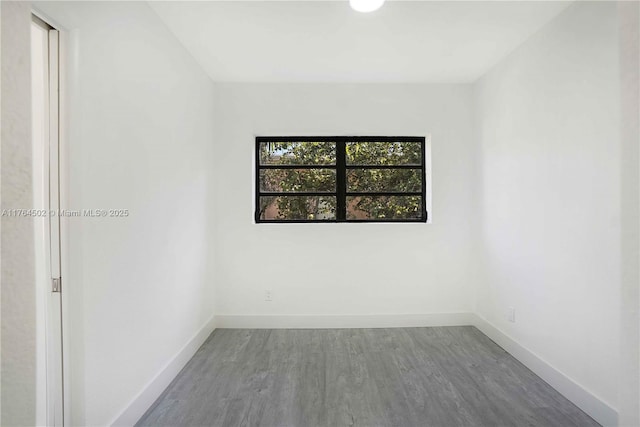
326 41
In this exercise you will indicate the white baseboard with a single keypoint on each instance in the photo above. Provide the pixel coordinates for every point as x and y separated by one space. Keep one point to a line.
580 396
343 321
143 401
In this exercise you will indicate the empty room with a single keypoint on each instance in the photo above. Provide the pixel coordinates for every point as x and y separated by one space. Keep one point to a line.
320 213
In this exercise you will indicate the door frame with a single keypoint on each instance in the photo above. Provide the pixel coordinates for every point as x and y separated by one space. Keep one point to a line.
55 405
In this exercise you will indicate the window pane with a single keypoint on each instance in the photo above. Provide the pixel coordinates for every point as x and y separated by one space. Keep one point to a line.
384 207
295 180
370 180
384 153
298 153
298 208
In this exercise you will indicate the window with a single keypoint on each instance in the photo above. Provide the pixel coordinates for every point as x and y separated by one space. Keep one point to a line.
340 179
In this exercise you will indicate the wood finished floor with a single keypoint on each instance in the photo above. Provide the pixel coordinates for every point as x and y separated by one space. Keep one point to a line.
445 376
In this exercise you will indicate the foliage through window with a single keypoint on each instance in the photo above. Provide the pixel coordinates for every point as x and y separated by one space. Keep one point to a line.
340 179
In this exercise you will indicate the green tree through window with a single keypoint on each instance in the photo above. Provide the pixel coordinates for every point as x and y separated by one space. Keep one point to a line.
340 179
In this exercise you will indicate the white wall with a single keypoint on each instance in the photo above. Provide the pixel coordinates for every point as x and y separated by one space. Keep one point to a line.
18 347
548 127
343 269
629 22
138 289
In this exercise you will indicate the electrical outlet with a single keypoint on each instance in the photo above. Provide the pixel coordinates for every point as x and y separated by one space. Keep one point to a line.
511 315
268 296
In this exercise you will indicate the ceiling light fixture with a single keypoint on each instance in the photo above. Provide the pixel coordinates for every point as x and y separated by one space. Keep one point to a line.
366 5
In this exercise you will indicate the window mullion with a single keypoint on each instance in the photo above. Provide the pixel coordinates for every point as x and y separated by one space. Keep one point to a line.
341 180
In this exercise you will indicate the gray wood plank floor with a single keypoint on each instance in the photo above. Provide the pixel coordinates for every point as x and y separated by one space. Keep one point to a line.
445 376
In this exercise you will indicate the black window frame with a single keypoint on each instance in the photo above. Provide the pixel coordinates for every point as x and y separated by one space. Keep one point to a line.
341 167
